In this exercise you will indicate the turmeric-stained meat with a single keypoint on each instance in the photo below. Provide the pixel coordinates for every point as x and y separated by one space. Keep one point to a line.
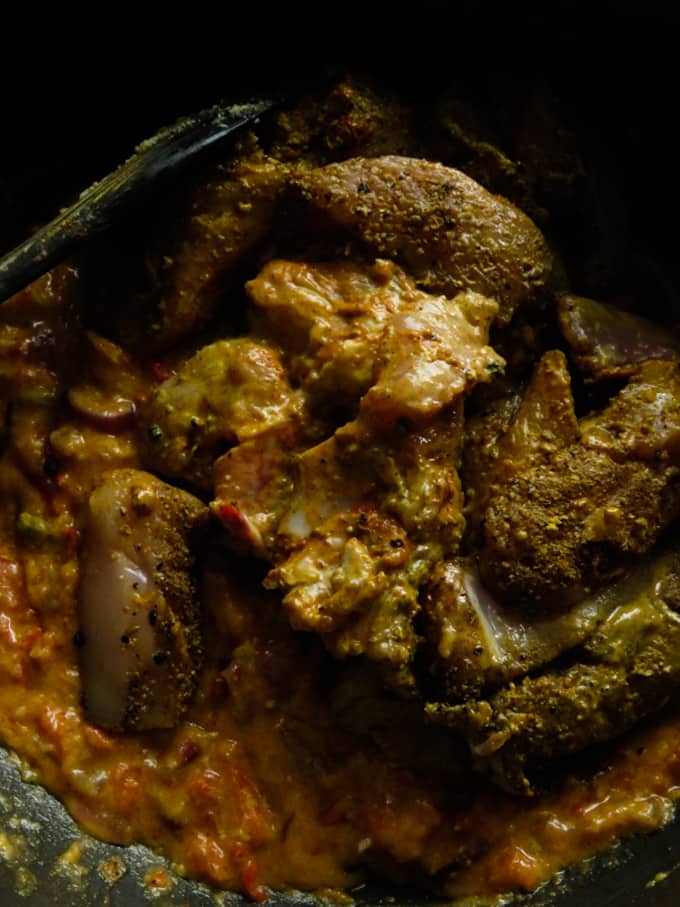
607 342
331 478
229 215
445 229
330 318
484 427
254 483
347 330
642 421
362 515
374 504
433 351
545 421
228 392
353 329
476 643
410 474
628 668
368 519
349 326
344 567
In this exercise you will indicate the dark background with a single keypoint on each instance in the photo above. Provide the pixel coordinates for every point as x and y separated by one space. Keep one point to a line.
74 107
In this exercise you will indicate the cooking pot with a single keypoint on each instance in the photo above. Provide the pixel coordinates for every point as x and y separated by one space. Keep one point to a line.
615 78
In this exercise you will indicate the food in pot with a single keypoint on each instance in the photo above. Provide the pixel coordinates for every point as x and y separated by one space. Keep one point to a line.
338 518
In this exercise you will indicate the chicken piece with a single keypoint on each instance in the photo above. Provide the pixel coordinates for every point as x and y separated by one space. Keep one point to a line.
366 329
377 503
356 584
559 529
420 473
606 342
253 487
431 353
477 644
545 421
228 392
331 478
344 566
409 474
369 518
172 274
229 215
556 528
627 669
352 329
139 616
444 228
329 318
518 433
489 412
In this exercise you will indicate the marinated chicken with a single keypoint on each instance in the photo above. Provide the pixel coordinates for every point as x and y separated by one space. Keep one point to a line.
373 506
337 517
330 319
628 667
367 521
230 391
368 332
158 282
580 517
517 431
477 644
444 228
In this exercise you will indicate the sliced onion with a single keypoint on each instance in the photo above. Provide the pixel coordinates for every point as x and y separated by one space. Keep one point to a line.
102 411
139 614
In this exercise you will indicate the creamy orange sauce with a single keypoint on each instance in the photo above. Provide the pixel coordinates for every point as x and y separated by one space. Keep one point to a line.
259 786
